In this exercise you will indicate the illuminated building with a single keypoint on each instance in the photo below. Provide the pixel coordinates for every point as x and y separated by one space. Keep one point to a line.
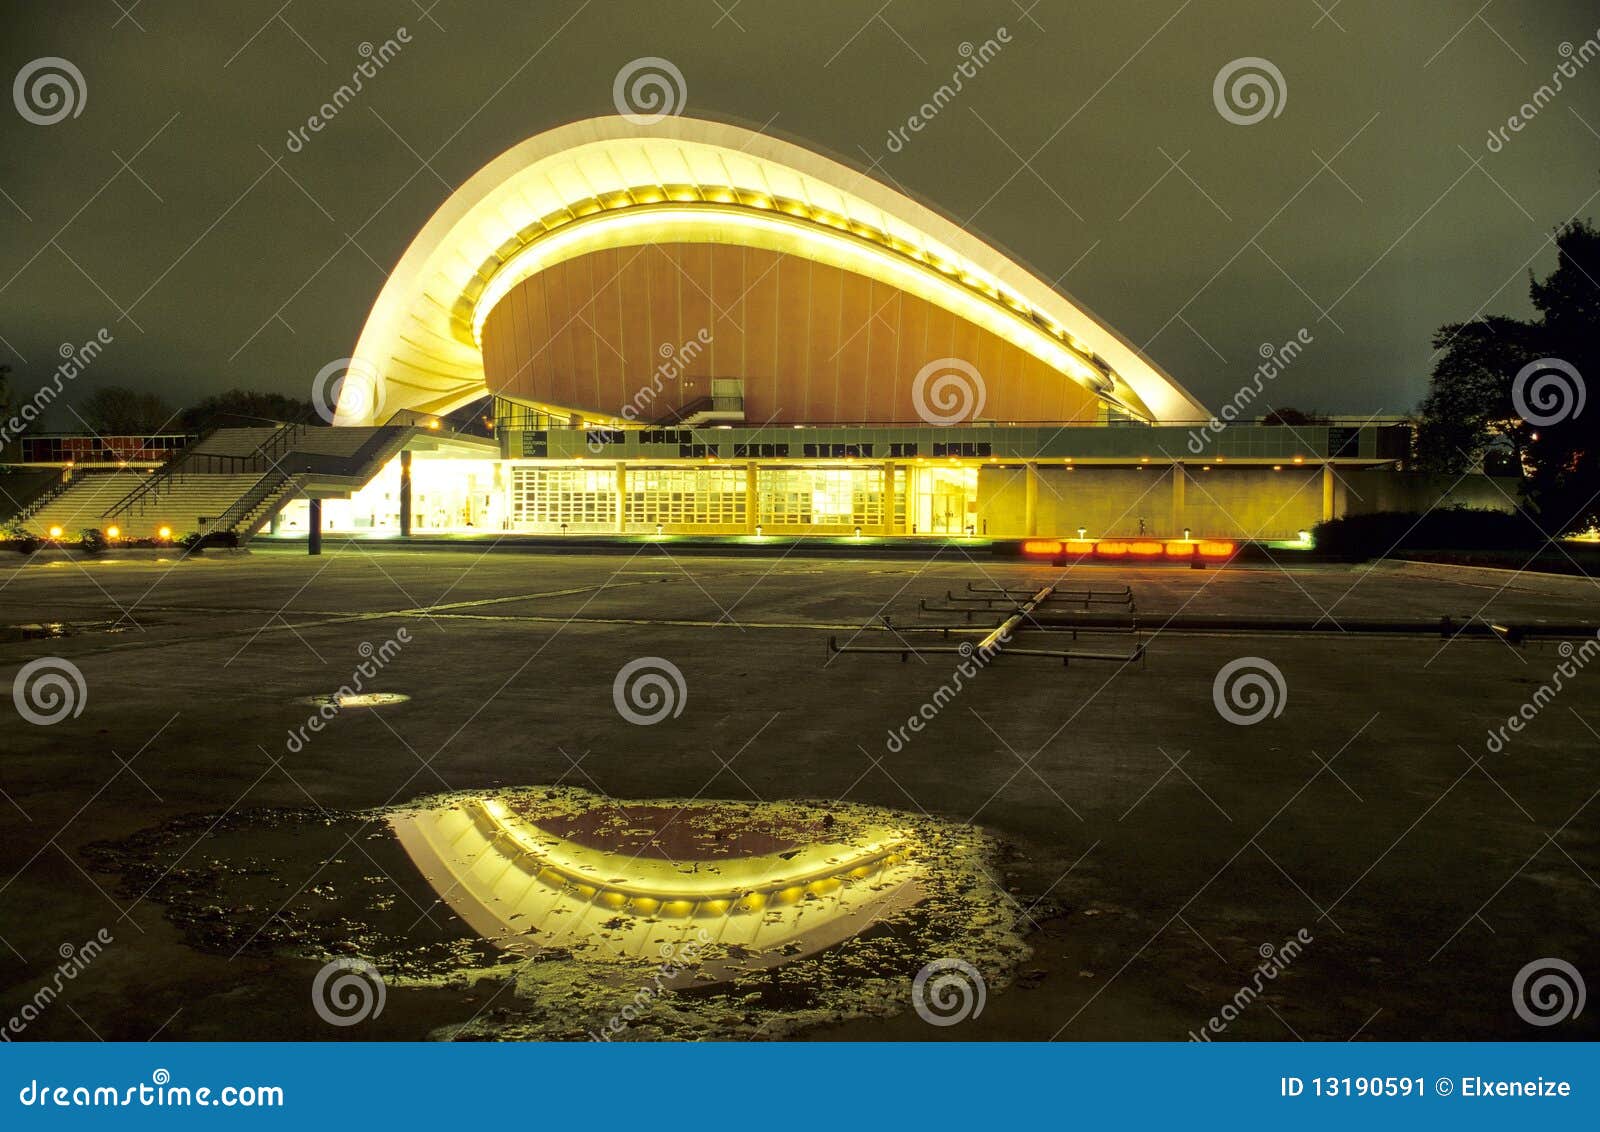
688 327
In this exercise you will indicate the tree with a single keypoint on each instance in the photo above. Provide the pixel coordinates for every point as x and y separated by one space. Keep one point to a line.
1468 409
243 407
1295 417
1518 388
116 410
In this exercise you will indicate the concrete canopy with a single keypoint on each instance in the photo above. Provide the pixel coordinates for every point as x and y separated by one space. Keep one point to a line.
615 182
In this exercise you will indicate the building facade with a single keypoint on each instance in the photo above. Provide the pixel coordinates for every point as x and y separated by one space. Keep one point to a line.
689 327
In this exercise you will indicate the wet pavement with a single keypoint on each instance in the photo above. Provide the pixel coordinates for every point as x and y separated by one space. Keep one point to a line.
1106 848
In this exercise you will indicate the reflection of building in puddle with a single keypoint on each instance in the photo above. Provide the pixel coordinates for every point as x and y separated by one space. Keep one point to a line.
638 882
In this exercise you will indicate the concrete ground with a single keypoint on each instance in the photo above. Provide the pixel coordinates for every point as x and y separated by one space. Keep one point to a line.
1156 847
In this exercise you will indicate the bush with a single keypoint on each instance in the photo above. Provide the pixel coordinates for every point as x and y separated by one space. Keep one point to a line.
92 540
19 538
196 541
1453 528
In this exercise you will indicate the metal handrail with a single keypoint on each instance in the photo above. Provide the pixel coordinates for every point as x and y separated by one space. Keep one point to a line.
185 461
252 497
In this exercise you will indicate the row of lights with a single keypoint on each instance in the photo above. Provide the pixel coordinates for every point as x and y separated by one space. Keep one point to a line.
1130 548
112 533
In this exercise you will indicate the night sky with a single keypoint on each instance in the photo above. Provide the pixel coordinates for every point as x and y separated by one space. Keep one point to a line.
171 211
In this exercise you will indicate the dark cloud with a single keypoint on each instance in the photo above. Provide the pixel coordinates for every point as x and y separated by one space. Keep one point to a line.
218 257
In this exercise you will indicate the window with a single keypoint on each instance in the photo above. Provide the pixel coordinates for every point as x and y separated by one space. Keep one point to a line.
679 497
841 497
582 499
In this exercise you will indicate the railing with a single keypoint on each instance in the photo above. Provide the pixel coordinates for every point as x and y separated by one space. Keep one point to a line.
162 474
271 482
270 452
281 442
44 497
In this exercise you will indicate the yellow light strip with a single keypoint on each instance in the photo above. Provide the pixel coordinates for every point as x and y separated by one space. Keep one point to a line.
502 826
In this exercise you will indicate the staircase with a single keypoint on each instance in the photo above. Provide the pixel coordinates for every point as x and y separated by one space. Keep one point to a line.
230 480
80 501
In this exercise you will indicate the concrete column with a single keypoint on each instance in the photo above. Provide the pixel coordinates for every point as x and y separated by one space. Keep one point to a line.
1030 500
622 497
1180 480
752 499
1328 480
405 494
888 498
314 526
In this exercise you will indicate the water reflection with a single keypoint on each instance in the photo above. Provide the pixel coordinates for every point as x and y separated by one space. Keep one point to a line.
533 872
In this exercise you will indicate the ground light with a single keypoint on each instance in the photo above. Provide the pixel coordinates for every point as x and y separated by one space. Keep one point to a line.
164 533
55 532
113 532
1185 548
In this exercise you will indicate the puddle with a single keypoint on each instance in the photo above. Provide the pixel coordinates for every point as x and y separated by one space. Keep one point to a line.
53 630
560 914
355 700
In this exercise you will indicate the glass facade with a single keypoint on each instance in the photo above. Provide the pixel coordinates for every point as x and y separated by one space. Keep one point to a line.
546 499
685 499
839 498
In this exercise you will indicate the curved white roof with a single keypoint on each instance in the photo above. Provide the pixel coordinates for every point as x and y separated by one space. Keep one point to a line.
610 182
